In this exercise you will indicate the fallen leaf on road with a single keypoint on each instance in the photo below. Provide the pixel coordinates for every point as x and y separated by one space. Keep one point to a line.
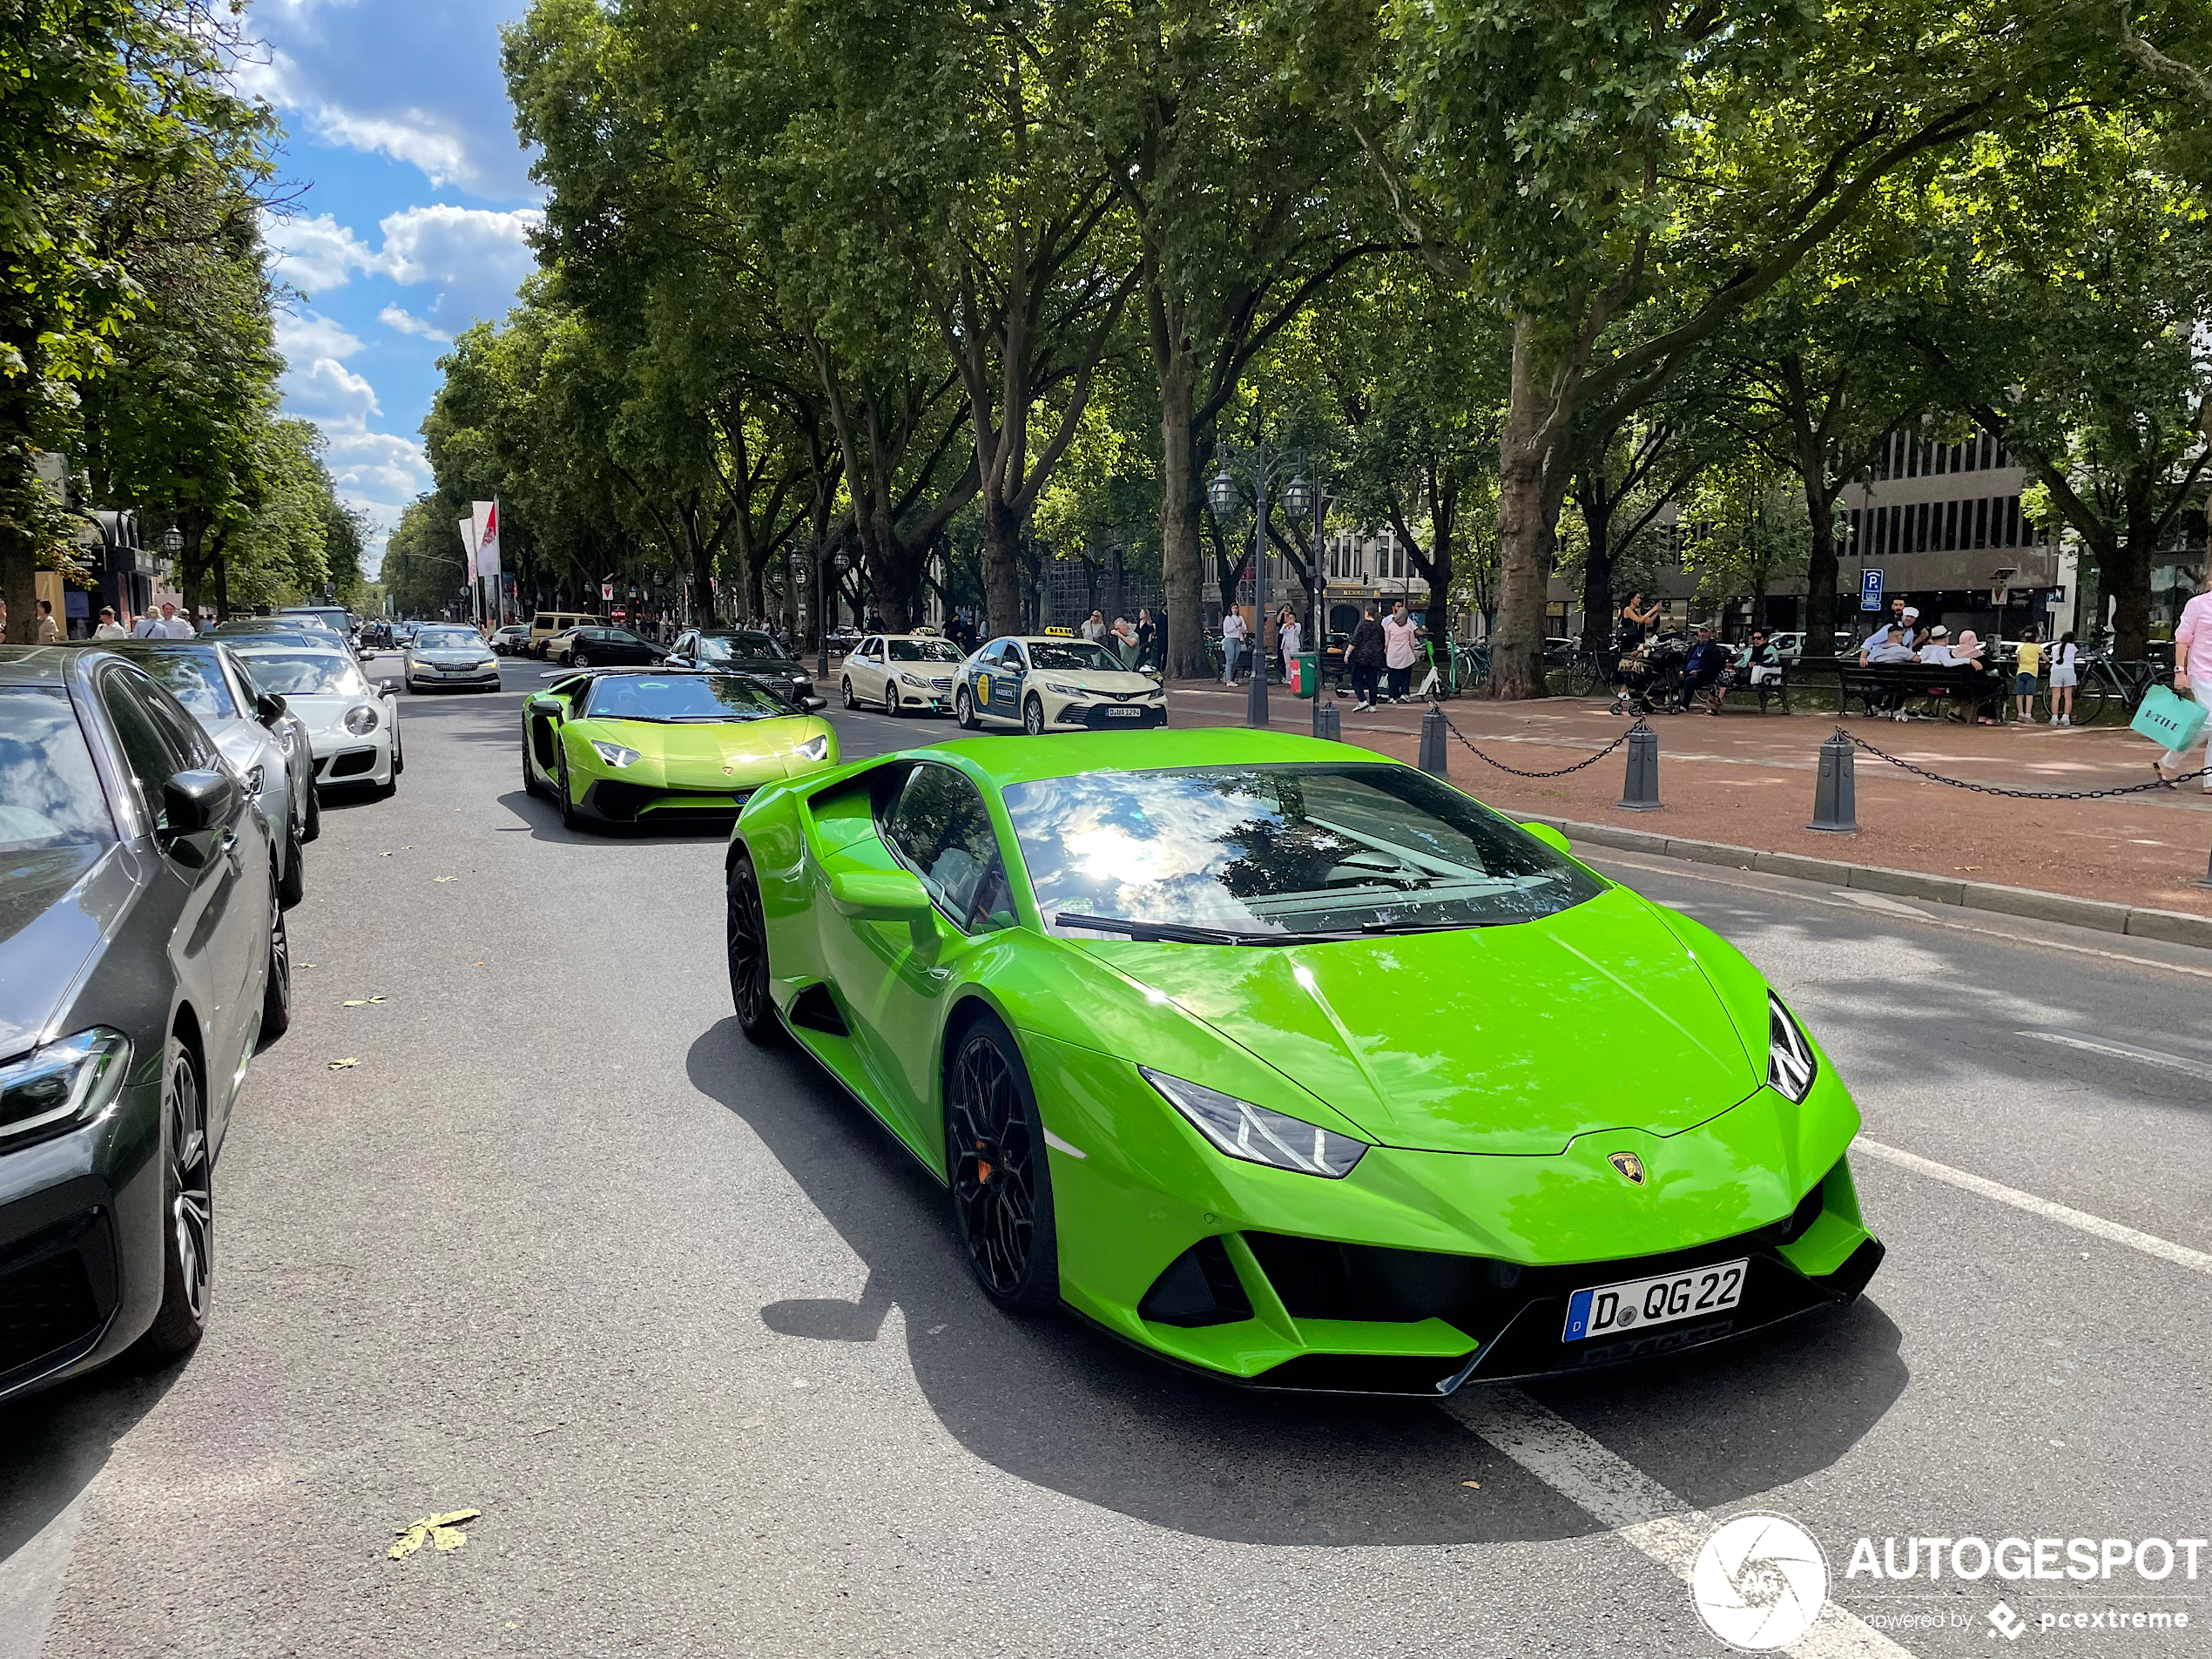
445 878
444 1531
363 1001
383 855
340 1065
1477 1485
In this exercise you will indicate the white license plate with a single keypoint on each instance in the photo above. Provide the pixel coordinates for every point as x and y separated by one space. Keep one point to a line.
1633 1304
1125 714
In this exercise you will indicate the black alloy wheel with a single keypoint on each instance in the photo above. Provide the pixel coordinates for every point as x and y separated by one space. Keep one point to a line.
570 818
994 1155
276 990
964 710
746 934
1033 716
530 784
188 1207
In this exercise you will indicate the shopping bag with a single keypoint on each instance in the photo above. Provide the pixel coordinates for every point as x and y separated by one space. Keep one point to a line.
2170 720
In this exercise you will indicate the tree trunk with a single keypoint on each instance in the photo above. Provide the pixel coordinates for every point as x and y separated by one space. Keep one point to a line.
1180 578
1002 565
190 569
1820 563
1525 530
2123 575
19 582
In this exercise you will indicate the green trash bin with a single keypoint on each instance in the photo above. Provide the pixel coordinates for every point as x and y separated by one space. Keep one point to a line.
1305 672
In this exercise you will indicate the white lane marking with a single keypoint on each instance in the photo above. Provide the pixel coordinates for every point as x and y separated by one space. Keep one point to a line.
1059 1145
2123 1051
1688 872
1636 1506
2112 1231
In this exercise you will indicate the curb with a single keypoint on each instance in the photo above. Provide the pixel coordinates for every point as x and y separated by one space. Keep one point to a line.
2170 926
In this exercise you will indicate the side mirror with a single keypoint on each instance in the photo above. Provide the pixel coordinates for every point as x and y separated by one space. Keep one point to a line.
544 705
269 708
388 688
880 895
196 801
1549 837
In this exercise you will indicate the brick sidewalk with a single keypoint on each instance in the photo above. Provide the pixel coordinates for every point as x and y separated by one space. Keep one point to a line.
1747 780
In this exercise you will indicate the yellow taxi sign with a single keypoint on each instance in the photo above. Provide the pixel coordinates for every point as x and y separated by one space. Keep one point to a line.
1060 633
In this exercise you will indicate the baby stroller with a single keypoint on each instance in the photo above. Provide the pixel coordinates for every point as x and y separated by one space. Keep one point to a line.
1650 676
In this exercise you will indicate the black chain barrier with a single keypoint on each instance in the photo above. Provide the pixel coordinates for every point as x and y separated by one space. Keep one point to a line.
1517 772
2018 794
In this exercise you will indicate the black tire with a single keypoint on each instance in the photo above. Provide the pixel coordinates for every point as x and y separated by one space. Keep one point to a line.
188 1210
293 887
996 1169
852 702
746 942
570 818
577 660
2092 699
891 700
276 991
1033 716
530 784
964 710
315 811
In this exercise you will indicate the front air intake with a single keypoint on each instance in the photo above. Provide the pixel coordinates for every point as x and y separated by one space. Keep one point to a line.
1199 1287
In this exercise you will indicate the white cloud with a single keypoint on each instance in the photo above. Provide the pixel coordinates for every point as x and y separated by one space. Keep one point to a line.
304 336
378 470
407 323
413 136
329 394
446 244
318 252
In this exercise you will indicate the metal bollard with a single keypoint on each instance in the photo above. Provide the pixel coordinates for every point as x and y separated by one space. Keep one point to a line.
1328 724
1640 793
1433 757
1835 797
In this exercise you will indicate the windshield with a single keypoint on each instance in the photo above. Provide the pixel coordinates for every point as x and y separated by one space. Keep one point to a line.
721 647
1077 654
448 639
49 795
922 650
194 678
303 673
1297 849
678 697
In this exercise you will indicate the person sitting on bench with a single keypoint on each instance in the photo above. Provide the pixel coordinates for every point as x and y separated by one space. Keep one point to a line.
1702 672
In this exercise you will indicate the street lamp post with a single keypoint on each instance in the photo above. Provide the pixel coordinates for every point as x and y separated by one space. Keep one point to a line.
1263 468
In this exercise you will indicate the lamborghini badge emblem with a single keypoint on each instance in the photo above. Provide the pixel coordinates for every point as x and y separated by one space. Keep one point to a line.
1630 1166
727 770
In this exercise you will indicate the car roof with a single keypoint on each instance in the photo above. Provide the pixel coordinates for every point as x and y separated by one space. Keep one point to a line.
39 664
1069 754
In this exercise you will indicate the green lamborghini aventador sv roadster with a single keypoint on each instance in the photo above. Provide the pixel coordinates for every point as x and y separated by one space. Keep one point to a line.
1293 1064
661 745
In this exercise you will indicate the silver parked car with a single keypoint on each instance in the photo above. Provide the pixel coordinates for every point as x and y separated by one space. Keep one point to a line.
264 741
450 654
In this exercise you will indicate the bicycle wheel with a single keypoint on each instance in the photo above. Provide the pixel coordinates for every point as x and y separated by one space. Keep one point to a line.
2094 697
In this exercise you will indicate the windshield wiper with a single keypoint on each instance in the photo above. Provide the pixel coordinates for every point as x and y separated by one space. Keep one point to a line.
1179 933
1435 927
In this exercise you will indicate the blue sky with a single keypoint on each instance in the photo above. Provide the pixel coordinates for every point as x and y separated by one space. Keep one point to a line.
410 207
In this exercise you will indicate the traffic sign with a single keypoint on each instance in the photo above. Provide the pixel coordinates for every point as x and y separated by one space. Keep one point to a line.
607 592
1870 590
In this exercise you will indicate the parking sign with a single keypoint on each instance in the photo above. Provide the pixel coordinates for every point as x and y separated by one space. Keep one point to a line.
1870 590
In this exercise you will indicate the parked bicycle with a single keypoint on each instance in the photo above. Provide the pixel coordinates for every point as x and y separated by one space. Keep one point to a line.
2114 691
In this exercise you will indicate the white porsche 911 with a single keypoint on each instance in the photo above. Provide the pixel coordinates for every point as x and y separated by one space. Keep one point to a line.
353 726
900 673
1043 684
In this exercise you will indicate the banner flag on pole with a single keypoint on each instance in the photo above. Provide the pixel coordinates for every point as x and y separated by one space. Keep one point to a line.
486 545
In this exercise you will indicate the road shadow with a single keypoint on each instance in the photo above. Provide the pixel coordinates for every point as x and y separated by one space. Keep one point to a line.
57 1442
543 819
1059 1404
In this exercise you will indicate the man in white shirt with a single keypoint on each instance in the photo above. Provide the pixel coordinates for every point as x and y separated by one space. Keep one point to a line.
1232 645
110 628
1937 652
175 624
1893 642
1398 636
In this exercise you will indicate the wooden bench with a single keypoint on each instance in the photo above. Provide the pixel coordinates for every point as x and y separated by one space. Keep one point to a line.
1885 688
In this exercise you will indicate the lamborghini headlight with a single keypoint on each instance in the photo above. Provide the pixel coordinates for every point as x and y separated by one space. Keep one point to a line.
1790 1065
815 748
64 1084
361 719
1255 1133
613 753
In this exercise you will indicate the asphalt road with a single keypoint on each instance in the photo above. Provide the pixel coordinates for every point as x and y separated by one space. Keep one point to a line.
696 1339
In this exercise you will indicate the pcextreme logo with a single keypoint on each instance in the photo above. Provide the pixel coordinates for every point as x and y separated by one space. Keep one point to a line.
1759 1582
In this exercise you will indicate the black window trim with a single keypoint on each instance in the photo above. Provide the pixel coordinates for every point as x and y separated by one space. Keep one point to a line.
998 845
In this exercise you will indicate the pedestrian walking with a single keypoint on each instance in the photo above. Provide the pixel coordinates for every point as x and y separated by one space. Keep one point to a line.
1291 635
2064 655
110 628
50 631
2192 677
1401 638
2028 666
1095 628
1366 656
1147 638
1232 645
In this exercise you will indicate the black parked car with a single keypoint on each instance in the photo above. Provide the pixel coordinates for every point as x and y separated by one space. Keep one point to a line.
748 651
143 959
